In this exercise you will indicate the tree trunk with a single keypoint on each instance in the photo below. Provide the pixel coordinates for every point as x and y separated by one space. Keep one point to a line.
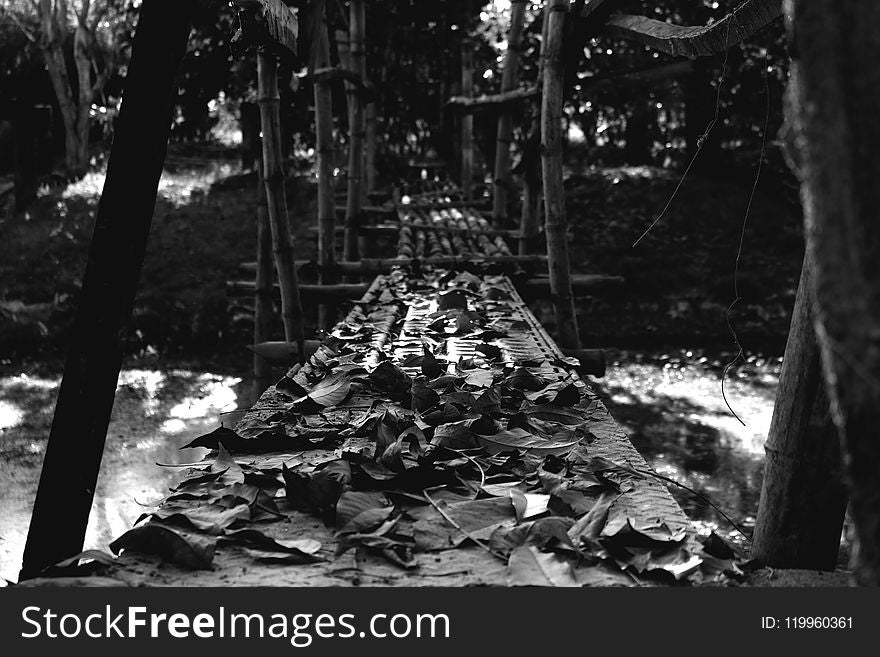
24 155
75 163
467 120
509 81
803 498
276 202
74 107
556 225
356 130
324 155
116 255
637 135
834 104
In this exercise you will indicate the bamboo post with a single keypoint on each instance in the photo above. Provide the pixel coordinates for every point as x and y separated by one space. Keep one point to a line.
555 222
324 148
116 255
356 129
370 150
276 203
803 497
467 120
509 81
263 287
531 204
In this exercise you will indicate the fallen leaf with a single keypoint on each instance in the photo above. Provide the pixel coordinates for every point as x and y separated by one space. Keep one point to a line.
520 439
353 503
528 566
194 551
450 300
330 391
480 378
391 379
422 398
539 533
528 505
301 550
209 518
431 367
478 517
589 527
523 379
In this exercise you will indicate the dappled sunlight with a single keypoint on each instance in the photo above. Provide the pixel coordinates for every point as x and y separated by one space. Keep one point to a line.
673 410
10 415
214 394
154 414
178 185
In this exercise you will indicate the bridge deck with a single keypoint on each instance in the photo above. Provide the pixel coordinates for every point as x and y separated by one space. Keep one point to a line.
432 367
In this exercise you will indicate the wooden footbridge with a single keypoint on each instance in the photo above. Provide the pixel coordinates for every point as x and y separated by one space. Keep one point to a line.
437 435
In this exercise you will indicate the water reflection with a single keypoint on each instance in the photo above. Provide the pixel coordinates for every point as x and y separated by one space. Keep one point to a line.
671 406
155 412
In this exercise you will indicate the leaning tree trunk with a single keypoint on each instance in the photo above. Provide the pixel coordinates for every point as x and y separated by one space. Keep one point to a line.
555 222
116 255
803 498
509 81
833 109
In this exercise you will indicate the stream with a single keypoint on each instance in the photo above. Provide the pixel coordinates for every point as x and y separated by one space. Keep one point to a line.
670 403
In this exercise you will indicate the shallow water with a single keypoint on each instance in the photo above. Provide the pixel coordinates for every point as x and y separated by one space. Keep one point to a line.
669 403
156 412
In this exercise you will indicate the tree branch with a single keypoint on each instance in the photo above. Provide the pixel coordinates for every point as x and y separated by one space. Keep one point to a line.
697 41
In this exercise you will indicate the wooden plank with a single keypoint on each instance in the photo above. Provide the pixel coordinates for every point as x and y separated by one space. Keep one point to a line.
469 104
583 283
308 291
272 22
693 40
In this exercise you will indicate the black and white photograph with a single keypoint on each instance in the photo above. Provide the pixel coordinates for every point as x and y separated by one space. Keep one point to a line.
438 294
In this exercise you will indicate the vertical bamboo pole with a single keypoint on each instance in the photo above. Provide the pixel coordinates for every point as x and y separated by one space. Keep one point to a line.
263 287
370 150
356 128
324 147
803 497
276 203
509 81
555 222
116 256
467 120
531 205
